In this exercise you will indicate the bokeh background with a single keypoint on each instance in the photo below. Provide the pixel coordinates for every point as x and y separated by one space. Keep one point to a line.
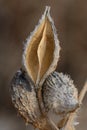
17 19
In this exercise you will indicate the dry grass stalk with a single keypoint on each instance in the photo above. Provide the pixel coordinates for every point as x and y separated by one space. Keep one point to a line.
82 93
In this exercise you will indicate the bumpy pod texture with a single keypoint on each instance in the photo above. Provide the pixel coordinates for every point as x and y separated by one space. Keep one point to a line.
59 93
24 97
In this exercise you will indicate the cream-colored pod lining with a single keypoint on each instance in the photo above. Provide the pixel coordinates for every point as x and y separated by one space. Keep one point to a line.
42 50
31 57
45 50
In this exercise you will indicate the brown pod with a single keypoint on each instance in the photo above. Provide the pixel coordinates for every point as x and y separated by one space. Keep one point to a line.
41 52
24 97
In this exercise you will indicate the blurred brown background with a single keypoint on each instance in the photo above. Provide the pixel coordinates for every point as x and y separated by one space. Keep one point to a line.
17 19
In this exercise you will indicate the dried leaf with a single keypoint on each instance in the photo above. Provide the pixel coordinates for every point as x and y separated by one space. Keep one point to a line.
42 50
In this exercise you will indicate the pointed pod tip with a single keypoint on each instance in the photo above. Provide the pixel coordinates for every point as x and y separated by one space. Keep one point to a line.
47 10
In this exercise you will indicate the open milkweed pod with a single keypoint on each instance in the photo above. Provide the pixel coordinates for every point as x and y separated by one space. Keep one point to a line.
41 52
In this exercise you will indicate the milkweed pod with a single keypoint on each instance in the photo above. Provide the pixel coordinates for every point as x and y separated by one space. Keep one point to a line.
59 93
42 49
24 98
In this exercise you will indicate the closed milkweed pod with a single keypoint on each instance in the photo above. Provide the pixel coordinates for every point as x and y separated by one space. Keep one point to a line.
59 93
60 97
24 97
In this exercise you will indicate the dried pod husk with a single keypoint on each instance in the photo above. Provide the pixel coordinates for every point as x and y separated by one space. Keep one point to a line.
41 52
24 97
59 93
